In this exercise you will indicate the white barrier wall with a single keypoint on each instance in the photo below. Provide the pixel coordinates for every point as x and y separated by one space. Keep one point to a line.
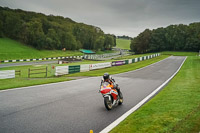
61 70
129 61
136 59
95 56
100 65
7 74
85 67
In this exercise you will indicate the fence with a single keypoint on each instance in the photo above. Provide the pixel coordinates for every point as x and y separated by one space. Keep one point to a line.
95 56
62 70
18 72
37 71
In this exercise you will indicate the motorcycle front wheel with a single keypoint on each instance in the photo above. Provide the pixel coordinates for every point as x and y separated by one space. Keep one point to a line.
108 103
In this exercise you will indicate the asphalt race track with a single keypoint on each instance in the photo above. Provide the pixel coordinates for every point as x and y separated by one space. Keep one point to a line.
76 106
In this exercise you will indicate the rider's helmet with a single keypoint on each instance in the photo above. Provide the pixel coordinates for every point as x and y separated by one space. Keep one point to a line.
106 76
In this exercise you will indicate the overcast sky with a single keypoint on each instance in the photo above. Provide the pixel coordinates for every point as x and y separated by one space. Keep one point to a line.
119 17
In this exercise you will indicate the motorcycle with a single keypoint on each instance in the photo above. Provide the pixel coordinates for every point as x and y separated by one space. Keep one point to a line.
111 96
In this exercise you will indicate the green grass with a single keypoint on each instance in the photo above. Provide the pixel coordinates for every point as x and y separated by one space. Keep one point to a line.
175 109
39 79
123 43
176 53
10 49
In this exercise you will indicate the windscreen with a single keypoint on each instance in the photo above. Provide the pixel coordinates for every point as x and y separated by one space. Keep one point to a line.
104 84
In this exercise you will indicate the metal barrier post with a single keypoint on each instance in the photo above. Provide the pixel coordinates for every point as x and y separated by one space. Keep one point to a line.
46 71
29 73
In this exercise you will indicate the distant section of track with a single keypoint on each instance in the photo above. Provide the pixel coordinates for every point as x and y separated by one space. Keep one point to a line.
76 106
27 63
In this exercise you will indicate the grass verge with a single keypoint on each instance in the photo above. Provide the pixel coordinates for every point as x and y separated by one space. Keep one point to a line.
174 109
24 81
176 53
123 43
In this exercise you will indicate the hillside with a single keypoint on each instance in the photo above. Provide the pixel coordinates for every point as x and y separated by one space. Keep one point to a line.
10 49
123 43
51 32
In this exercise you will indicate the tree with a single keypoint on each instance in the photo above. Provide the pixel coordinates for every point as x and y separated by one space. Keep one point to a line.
174 37
141 43
53 40
109 42
35 34
99 43
158 41
193 40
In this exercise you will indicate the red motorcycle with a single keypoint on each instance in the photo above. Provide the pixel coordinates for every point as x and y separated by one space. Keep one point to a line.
111 96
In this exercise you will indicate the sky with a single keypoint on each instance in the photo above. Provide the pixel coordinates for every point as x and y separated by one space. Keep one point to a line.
119 17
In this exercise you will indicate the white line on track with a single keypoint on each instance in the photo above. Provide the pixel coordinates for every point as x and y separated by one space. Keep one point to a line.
120 119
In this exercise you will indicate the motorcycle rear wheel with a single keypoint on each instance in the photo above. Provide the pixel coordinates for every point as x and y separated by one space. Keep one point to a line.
120 99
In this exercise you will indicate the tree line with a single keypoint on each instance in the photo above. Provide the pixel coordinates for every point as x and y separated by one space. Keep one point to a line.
124 37
172 38
52 32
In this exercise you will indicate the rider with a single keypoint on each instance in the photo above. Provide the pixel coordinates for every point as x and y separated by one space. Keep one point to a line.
109 79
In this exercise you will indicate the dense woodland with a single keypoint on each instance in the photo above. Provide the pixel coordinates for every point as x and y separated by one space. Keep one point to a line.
172 38
52 32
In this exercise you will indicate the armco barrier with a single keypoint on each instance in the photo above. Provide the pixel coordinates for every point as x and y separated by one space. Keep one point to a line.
61 70
126 61
5 74
100 65
133 60
129 61
74 69
118 63
136 59
85 67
